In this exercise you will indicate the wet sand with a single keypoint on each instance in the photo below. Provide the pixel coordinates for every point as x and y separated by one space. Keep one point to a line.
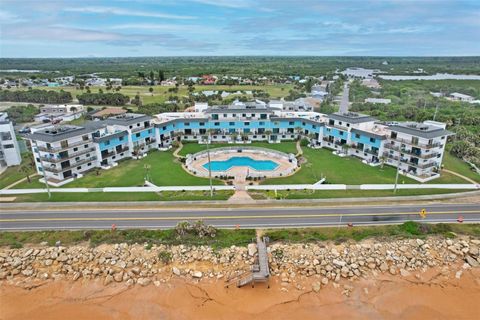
432 295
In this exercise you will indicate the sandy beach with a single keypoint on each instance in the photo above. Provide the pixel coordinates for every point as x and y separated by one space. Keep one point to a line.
430 295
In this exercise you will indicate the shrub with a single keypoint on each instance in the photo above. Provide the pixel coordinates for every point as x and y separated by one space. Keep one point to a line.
165 256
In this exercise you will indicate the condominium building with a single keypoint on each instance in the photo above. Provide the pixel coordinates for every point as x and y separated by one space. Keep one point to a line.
9 150
416 148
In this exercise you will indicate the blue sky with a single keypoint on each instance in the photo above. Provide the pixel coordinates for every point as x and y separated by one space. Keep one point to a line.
88 28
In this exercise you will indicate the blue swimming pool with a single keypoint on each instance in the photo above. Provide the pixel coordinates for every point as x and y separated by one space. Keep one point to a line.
260 165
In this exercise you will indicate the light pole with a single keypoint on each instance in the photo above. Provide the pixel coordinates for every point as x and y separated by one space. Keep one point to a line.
147 172
209 165
43 171
396 176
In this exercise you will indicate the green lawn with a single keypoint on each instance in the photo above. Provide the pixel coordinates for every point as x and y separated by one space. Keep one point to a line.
326 194
457 165
12 174
165 170
287 147
125 196
337 170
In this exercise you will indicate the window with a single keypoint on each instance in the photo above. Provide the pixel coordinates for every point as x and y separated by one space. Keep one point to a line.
130 127
340 122
79 167
234 115
341 133
8 146
262 123
187 124
231 123
246 123
348 124
224 115
137 135
138 124
331 122
372 140
202 124
121 138
164 128
393 135
76 149
357 136
89 164
85 137
216 124
77 159
85 146
291 123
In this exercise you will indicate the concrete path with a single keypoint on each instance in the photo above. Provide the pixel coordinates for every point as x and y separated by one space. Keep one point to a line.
299 148
20 181
175 153
461 176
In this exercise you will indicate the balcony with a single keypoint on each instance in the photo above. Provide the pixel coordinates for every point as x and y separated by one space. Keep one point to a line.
70 155
107 155
138 129
418 165
58 149
410 152
151 142
409 142
72 165
371 151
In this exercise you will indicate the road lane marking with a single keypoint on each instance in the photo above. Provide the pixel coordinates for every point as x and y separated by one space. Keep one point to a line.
289 216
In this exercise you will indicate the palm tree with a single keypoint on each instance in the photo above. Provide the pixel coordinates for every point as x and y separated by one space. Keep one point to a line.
268 134
383 159
298 131
27 167
345 148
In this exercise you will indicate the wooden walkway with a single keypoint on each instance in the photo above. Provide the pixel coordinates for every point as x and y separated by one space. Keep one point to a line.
260 271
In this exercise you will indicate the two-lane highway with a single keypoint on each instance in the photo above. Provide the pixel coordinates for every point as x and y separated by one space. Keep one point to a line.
229 218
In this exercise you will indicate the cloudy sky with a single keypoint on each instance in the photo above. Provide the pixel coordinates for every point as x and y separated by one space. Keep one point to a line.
93 28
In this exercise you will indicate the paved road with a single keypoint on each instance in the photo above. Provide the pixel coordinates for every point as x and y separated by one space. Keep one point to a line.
245 218
344 102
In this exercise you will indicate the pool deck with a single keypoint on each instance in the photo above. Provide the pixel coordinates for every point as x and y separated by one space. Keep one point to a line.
240 173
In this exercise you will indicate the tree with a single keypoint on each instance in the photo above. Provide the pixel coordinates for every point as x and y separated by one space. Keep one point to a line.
161 75
26 167
150 90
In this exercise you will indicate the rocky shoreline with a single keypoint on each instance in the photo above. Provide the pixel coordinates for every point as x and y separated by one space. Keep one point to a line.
326 262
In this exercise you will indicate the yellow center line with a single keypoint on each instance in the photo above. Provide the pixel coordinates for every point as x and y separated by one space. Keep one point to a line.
276 216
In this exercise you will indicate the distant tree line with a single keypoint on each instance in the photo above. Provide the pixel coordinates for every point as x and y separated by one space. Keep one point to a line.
36 96
113 99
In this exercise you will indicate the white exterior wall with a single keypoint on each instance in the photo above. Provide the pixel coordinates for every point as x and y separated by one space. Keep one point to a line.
9 150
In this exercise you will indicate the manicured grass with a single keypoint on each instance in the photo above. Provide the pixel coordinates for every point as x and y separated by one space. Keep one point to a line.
337 170
326 194
287 147
13 174
455 164
408 229
165 170
124 196
223 237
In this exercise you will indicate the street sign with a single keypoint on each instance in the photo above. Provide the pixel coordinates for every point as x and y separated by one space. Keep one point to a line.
423 213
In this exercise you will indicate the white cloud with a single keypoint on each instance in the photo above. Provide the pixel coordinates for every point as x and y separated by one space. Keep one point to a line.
8 17
190 28
126 12
227 3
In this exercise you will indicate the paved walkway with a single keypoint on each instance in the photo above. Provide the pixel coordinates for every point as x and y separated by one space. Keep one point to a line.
299 148
175 153
20 181
461 176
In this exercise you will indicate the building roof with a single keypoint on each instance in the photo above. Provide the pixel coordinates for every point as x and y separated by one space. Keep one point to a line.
109 111
110 136
369 134
421 130
62 132
128 119
351 117
248 108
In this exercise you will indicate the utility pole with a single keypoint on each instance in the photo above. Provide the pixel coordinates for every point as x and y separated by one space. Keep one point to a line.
436 109
209 165
43 171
